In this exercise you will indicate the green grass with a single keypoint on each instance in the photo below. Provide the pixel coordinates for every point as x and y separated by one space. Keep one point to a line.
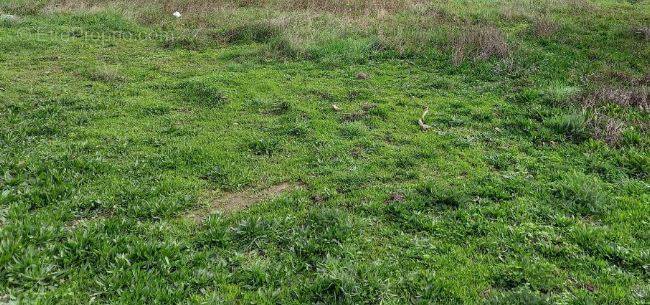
512 197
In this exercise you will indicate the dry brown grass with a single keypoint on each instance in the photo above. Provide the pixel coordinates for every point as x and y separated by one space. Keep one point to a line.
620 88
544 27
480 42
347 7
607 129
202 7
637 97
465 30
643 32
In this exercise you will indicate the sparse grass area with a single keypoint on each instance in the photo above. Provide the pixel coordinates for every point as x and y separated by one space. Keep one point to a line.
117 121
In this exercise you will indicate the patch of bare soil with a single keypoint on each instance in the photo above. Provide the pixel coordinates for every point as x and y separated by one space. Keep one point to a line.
75 223
237 201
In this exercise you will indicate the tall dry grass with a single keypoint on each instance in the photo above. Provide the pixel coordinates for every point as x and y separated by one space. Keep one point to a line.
465 30
193 8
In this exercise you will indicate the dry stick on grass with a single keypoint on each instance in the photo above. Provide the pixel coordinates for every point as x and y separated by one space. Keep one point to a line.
423 126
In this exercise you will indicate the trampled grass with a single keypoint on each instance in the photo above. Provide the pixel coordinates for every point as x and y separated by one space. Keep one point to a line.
123 128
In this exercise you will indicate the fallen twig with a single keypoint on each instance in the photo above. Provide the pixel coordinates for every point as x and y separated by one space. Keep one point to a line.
423 126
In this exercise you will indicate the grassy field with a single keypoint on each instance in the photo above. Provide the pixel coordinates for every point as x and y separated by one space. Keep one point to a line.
269 152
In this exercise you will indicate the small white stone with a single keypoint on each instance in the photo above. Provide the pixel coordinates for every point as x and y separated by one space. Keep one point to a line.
177 14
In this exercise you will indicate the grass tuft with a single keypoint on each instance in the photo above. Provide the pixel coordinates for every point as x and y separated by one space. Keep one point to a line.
264 147
544 27
573 126
581 194
258 32
607 129
106 74
479 42
202 92
624 97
